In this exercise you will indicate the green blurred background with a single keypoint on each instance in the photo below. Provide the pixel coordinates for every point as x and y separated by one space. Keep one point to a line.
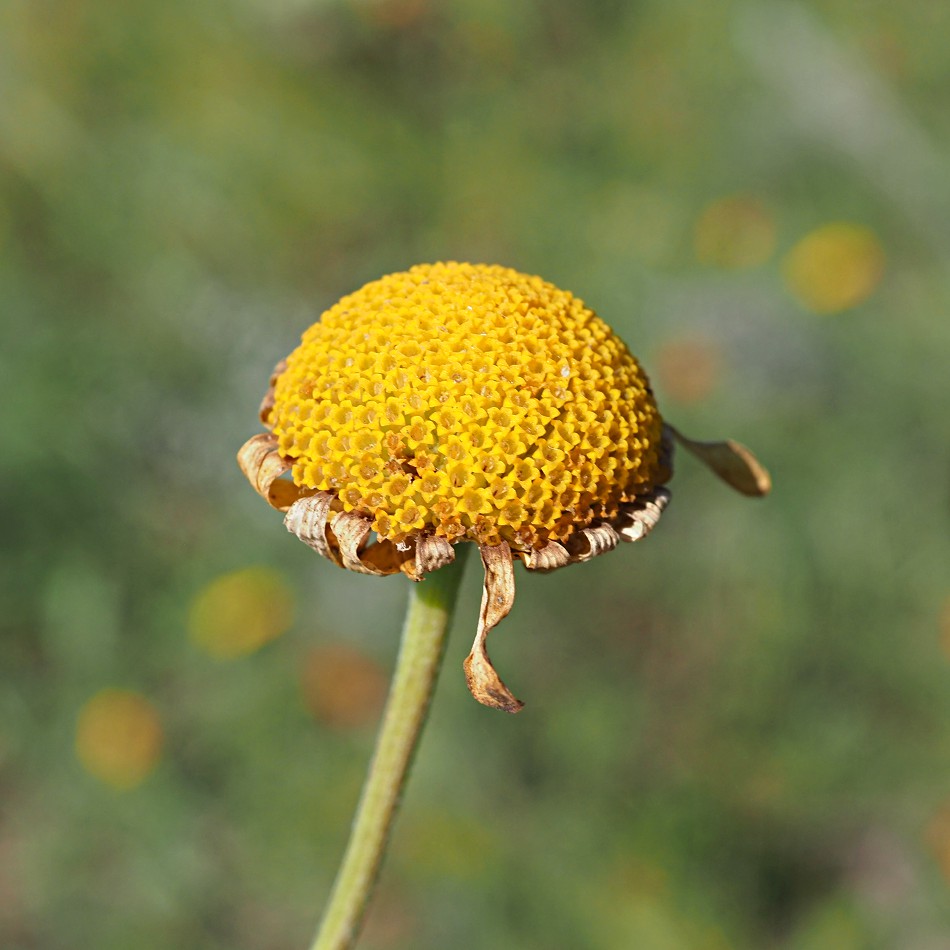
738 733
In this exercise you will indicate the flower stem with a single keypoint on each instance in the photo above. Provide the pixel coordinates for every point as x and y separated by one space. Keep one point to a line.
431 604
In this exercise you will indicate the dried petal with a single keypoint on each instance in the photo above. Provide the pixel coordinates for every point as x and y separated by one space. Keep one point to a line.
590 542
263 465
498 595
351 530
341 537
267 403
552 556
640 516
732 462
384 558
433 552
307 519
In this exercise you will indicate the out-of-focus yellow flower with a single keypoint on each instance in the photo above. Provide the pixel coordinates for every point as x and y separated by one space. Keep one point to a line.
119 738
239 612
834 267
342 687
735 232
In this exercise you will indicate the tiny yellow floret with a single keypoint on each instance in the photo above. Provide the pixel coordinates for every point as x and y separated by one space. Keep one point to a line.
468 400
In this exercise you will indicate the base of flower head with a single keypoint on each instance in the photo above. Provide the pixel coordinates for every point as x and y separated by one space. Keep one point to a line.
346 537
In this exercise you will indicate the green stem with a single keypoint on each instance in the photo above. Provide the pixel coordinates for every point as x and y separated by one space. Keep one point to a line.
420 655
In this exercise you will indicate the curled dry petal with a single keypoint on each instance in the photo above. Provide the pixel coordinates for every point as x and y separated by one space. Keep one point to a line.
382 558
267 403
552 556
433 552
639 517
731 461
591 542
498 595
351 531
307 519
263 465
341 537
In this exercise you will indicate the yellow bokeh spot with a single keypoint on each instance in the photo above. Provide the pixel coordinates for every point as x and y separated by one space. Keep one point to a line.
734 232
119 738
342 687
438 383
835 267
239 612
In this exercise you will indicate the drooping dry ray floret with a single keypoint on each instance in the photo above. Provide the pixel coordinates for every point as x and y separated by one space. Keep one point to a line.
465 402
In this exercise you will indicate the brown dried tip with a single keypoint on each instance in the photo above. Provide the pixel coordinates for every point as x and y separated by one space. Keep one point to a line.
731 461
267 403
263 465
498 595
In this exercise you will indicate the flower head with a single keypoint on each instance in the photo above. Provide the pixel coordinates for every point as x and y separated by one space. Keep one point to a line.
461 402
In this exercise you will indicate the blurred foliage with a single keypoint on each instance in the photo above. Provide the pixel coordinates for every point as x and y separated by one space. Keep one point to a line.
737 733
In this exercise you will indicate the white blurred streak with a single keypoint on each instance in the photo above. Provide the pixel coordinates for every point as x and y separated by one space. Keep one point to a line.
836 98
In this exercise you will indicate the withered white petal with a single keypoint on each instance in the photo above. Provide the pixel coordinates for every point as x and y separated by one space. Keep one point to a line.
591 542
639 517
552 556
433 552
731 461
307 519
267 403
351 530
263 465
498 595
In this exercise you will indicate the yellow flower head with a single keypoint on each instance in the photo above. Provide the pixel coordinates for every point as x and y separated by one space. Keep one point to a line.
468 401
465 402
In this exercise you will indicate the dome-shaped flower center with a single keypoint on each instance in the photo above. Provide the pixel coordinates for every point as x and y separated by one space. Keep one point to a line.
468 401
